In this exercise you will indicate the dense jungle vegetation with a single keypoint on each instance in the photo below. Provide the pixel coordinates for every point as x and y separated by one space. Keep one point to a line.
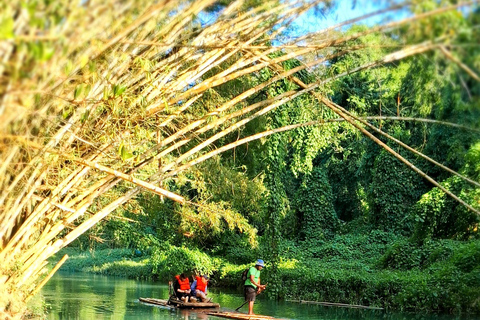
149 138
336 217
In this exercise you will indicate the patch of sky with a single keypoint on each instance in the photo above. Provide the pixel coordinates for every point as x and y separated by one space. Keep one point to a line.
321 17
324 16
207 18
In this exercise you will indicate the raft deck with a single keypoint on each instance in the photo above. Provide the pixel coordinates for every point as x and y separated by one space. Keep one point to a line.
240 316
180 304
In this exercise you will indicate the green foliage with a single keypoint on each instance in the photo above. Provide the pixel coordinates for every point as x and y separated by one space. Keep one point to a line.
219 180
237 252
371 91
406 255
439 216
440 285
314 202
394 189
431 27
349 197
6 26
472 162
229 275
171 261
118 262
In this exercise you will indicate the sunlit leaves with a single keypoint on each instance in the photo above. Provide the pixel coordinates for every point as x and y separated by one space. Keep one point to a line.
211 219
6 26
124 153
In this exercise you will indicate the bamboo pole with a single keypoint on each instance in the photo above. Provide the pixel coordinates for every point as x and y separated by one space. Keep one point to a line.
46 204
334 304
328 43
349 118
420 154
462 65
306 89
267 133
6 163
45 280
391 57
398 156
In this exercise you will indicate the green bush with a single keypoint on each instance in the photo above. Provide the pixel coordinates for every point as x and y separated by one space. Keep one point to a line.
117 262
125 268
467 257
404 255
172 261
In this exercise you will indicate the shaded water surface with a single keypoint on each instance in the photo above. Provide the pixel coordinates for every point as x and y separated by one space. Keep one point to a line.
88 296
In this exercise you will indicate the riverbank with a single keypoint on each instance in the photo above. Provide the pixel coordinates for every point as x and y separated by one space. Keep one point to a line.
368 270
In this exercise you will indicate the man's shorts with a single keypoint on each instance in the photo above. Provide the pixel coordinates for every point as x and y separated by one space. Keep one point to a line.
250 293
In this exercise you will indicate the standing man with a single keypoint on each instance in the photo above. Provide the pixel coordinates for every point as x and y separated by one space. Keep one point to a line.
252 284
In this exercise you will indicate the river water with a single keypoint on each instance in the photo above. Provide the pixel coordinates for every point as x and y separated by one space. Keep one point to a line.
89 296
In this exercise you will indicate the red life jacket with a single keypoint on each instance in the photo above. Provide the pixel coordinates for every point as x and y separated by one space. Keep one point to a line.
184 284
201 283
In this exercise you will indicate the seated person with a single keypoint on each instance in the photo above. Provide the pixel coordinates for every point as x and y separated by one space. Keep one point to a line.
199 288
181 287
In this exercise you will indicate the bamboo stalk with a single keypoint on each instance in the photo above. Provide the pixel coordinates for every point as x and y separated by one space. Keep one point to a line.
334 304
5 164
420 154
398 156
222 133
390 58
267 133
306 89
462 65
349 118
45 280
30 256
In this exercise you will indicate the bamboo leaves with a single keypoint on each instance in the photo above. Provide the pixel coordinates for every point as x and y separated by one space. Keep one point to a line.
124 153
6 26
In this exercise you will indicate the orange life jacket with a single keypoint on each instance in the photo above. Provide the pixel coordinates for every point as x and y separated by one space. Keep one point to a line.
184 284
201 283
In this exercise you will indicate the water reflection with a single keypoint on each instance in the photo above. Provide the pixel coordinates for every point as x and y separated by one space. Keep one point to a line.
87 296
189 315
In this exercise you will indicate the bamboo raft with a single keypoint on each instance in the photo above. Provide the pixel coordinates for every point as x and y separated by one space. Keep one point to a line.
240 316
333 304
173 303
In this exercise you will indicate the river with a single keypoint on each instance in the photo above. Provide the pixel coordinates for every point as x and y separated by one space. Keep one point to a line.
89 296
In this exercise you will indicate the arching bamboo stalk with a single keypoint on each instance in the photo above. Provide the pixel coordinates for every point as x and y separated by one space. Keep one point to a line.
338 111
462 65
51 273
306 89
349 117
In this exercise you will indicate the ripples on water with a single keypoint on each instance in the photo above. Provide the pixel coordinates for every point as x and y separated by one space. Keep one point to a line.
87 296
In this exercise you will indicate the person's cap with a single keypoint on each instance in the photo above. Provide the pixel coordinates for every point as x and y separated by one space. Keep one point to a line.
260 263
205 276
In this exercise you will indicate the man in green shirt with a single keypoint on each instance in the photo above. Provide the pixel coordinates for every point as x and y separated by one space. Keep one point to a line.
252 284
